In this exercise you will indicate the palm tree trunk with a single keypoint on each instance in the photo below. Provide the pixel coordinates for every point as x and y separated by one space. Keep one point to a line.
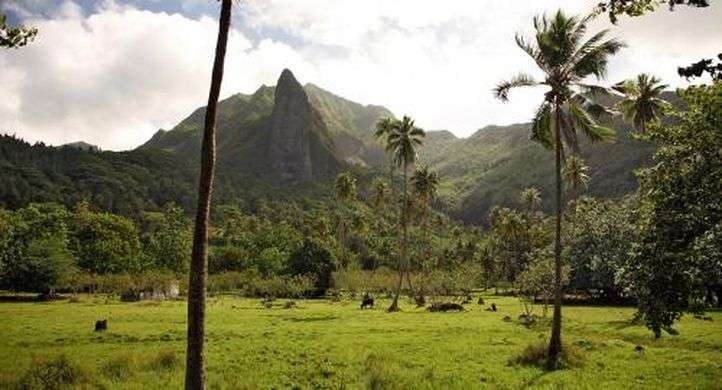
402 261
195 355
555 343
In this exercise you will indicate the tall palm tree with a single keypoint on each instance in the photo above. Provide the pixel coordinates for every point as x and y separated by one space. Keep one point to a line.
425 184
402 142
195 355
564 56
642 103
576 174
383 128
345 189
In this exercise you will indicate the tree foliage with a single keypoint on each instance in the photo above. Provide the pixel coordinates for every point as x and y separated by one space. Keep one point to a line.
680 211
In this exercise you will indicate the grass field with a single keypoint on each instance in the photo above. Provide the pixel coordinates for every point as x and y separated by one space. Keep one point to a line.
321 344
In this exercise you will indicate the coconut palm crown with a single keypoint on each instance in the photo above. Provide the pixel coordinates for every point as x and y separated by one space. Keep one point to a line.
567 60
642 103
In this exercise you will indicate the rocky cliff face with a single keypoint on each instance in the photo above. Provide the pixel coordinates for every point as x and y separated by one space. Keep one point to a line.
299 146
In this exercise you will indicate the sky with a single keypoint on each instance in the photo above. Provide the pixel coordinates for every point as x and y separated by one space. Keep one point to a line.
113 72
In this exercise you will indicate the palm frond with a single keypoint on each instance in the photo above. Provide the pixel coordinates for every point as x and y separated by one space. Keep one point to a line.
594 62
585 123
501 91
542 126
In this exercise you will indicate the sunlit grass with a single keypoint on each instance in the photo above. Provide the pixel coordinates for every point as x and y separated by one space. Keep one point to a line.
320 344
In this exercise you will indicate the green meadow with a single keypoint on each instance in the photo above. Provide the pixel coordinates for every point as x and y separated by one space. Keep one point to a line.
323 344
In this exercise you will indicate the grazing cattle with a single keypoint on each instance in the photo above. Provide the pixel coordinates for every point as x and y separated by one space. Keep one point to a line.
446 306
101 325
480 301
639 349
367 302
492 307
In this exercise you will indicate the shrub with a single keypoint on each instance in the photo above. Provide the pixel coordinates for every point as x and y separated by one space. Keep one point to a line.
357 281
117 369
52 373
313 260
228 281
166 360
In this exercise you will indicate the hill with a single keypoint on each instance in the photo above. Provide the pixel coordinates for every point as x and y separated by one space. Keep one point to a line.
290 140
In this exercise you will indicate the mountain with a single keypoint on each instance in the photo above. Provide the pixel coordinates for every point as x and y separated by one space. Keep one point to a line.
289 141
496 163
286 131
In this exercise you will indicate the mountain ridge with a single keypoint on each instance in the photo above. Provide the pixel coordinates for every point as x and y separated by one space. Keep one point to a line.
302 135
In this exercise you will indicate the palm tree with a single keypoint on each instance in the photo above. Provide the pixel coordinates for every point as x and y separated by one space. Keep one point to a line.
384 127
576 174
195 355
345 189
642 103
379 193
402 142
566 59
425 183
531 199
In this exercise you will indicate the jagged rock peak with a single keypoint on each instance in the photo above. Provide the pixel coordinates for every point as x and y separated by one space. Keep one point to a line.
292 125
289 89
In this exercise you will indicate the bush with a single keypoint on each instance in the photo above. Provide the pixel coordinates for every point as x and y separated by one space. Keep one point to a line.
52 373
117 369
313 260
151 280
166 360
228 281
228 259
355 281
280 287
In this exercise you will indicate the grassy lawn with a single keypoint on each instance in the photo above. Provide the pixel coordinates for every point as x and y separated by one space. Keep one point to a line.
321 344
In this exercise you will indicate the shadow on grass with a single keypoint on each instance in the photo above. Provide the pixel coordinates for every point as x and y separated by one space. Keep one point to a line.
310 319
624 324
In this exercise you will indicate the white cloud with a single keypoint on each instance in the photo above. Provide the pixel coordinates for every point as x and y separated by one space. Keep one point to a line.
114 76
439 61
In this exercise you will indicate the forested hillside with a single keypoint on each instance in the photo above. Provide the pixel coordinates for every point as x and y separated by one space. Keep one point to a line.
302 136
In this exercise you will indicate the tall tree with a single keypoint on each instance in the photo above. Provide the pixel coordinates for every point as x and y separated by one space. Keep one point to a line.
642 103
383 128
564 56
402 142
195 355
345 190
426 185
680 212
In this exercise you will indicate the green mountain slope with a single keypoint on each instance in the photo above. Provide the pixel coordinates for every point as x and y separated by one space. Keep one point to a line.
291 140
495 164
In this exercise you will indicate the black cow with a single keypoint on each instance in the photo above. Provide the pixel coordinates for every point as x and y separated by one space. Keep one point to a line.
367 302
101 325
